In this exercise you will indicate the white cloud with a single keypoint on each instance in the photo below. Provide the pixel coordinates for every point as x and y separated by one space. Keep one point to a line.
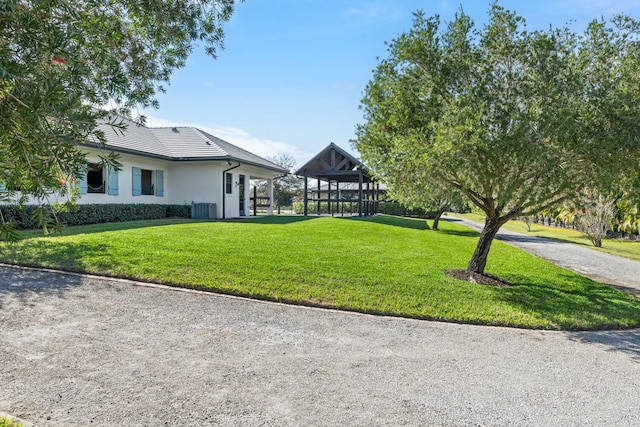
373 11
260 146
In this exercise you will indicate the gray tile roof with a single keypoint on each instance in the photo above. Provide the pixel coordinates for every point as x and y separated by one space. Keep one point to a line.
180 144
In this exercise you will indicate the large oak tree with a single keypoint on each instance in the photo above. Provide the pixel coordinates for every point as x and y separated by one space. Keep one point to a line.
516 120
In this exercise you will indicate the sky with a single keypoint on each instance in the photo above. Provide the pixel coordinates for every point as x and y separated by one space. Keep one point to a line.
293 72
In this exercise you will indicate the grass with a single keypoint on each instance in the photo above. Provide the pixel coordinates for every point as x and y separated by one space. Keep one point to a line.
383 265
8 422
620 247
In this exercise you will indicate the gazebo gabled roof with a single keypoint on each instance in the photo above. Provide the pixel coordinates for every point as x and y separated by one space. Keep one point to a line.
336 164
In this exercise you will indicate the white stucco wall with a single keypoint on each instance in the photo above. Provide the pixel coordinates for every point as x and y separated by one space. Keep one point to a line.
194 182
125 184
184 183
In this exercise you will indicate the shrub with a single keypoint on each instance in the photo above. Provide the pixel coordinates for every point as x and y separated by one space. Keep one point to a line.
398 209
96 213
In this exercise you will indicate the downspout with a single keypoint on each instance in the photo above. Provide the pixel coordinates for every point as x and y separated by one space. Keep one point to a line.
224 190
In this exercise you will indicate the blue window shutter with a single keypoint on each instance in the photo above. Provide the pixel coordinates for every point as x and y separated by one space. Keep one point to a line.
112 181
82 183
136 181
159 183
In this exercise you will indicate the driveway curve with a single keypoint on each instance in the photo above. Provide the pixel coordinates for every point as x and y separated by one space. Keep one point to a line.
79 350
619 272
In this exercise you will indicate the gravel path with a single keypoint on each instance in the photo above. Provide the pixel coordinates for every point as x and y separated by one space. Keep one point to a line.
619 272
78 351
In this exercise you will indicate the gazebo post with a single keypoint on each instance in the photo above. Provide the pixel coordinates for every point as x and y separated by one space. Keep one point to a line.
306 193
319 197
368 205
329 203
359 192
338 198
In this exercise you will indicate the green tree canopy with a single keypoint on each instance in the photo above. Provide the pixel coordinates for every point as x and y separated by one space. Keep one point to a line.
515 120
65 65
285 187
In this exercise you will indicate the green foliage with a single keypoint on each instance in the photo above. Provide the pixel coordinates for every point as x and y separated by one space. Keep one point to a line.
286 187
61 60
398 209
9 232
27 217
8 422
374 265
388 208
312 208
516 121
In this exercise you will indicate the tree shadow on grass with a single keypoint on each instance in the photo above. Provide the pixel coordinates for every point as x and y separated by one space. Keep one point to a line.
461 233
46 253
72 230
575 303
394 221
271 219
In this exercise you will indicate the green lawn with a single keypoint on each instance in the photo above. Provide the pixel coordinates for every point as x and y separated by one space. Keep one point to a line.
384 265
620 247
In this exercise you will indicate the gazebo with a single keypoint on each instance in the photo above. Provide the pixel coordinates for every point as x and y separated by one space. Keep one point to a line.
333 165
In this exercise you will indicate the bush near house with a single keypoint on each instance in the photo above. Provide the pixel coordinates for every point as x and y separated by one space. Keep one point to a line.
97 213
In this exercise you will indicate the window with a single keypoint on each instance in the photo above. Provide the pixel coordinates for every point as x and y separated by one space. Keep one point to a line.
95 179
96 182
147 182
228 182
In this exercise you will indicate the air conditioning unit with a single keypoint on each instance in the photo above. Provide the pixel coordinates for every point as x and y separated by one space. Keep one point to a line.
203 210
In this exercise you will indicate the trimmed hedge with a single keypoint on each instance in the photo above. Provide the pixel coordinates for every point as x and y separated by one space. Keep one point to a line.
312 207
98 213
389 208
397 209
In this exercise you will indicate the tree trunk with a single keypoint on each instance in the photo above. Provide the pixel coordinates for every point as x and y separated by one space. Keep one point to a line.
479 259
436 220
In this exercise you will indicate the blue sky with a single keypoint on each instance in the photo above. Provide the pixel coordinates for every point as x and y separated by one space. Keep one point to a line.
292 73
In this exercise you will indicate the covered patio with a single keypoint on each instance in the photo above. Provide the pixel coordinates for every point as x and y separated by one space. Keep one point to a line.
334 166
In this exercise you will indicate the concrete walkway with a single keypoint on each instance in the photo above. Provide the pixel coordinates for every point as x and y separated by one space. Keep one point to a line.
621 273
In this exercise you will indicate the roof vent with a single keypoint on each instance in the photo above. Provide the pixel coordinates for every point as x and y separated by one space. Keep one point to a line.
175 130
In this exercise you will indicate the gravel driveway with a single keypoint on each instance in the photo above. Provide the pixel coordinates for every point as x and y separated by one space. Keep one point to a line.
79 351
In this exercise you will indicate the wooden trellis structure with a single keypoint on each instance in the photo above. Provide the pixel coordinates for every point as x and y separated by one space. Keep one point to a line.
333 165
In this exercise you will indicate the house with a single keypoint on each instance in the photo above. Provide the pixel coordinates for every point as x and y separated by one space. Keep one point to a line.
175 165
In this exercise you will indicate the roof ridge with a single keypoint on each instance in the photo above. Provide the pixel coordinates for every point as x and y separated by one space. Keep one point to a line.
205 136
235 146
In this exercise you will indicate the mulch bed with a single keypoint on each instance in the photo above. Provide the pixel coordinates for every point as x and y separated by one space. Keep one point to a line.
481 279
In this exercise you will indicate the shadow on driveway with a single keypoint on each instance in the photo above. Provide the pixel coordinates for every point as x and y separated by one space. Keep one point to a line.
627 342
22 283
